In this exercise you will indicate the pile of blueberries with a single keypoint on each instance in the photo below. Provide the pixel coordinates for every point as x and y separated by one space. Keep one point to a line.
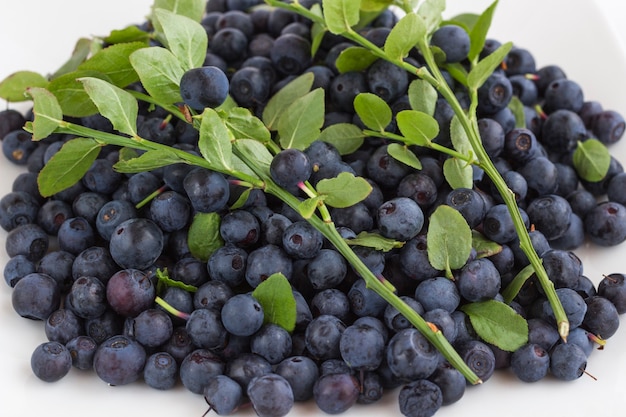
85 261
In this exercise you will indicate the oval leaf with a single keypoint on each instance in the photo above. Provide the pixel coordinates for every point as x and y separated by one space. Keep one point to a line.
341 15
285 97
422 96
203 237
47 111
404 155
498 324
113 61
117 105
354 58
485 67
13 88
193 9
374 240
346 137
184 37
67 166
244 125
344 190
276 297
479 31
591 160
418 128
449 239
405 35
484 247
458 173
459 138
215 141
147 161
301 122
159 72
373 111
70 92
430 11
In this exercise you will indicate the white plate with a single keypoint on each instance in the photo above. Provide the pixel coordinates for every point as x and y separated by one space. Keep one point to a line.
39 35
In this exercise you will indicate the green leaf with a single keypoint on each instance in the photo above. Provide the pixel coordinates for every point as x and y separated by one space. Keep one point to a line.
484 247
82 49
517 108
341 15
498 324
129 34
457 71
47 112
203 237
403 154
344 190
255 151
67 166
307 207
375 241
241 200
459 138
418 128
244 125
147 161
479 31
375 5
318 31
301 123
117 105
430 11
373 111
458 173
165 281
113 61
346 137
591 160
160 73
285 97
449 239
466 20
485 67
215 141
276 297
354 58
193 9
13 88
184 37
422 96
405 35
70 92
516 284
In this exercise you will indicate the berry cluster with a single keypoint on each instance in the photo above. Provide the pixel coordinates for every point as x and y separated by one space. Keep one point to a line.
104 304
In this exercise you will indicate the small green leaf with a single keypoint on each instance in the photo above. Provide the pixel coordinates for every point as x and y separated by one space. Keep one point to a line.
164 280
117 105
354 58
67 166
466 20
184 37
159 72
113 61
479 31
458 173
47 111
307 207
484 247
244 125
346 137
147 161
375 241
485 67
193 9
449 239
498 324
253 150
318 31
591 160
457 71
459 138
405 35
375 5
215 140
422 96
430 11
13 88
128 34
285 97
403 154
373 111
511 290
301 123
341 15
241 200
517 108
70 92
418 128
203 237
344 190
82 49
276 297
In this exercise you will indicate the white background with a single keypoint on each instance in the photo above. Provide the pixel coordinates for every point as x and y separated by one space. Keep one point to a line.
585 37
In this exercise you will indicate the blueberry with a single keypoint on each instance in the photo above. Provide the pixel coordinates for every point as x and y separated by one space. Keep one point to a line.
478 280
563 94
453 40
438 292
111 214
17 146
605 224
289 167
495 94
75 235
265 261
190 271
400 218
88 297
204 87
290 54
213 295
567 362
301 372
478 356
17 208
410 356
240 228
530 363
95 261
82 350
36 296
136 243
16 268
227 264
205 328
29 240
550 214
327 269
160 371
335 393
613 287
152 327
345 87
608 126
51 361
119 360
386 80
249 87
394 320
602 318
207 190
331 301
129 292
562 130
450 381
242 315
101 177
223 394
63 325
362 347
322 337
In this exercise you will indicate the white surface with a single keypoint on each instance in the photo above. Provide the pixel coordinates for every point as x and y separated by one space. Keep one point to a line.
582 36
